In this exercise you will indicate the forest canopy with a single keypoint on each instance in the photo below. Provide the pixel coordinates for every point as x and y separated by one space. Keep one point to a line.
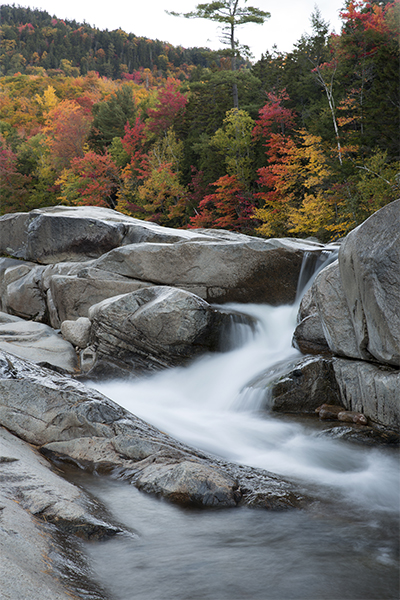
309 147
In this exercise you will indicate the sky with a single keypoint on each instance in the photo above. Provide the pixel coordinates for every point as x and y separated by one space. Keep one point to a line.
147 18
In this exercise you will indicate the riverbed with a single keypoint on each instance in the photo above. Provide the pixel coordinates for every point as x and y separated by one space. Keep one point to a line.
344 546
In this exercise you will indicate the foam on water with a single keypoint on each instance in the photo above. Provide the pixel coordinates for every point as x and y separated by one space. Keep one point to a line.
207 406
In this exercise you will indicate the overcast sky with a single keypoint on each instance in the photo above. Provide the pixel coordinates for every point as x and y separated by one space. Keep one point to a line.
289 20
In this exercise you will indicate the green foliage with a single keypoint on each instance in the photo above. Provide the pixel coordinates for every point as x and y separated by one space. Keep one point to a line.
230 14
234 141
111 116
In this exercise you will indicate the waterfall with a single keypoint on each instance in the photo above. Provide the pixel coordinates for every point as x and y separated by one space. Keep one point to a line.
313 263
205 405
344 546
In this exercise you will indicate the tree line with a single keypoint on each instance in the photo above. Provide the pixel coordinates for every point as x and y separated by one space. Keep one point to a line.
308 147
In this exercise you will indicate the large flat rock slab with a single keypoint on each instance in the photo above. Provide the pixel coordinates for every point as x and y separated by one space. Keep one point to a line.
62 233
217 271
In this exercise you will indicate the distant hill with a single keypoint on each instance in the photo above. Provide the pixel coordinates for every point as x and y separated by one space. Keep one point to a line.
33 40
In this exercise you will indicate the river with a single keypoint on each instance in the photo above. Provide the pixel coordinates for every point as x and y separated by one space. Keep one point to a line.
344 546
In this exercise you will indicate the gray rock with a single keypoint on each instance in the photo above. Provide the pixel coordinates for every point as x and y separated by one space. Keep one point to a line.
60 233
29 477
371 389
6 318
57 234
87 359
13 234
180 483
71 422
217 271
24 550
324 322
56 305
77 332
73 295
334 313
6 263
157 327
31 494
309 335
297 387
370 270
13 298
366 435
37 342
23 293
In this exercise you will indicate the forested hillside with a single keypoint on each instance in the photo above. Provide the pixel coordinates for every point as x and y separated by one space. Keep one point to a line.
33 40
106 118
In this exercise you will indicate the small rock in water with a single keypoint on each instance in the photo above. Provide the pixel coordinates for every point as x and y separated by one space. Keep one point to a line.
351 416
336 412
329 411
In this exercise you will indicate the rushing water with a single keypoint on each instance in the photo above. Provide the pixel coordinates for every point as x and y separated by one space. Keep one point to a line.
344 546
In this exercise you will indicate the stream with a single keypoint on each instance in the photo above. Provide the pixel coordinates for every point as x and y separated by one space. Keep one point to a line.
344 546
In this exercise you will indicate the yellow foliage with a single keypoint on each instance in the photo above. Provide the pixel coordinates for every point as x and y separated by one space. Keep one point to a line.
316 213
49 99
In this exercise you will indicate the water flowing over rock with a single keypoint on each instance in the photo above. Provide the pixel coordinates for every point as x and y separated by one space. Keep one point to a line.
158 327
68 421
133 297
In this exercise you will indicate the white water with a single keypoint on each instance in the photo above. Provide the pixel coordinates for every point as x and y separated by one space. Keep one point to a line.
206 406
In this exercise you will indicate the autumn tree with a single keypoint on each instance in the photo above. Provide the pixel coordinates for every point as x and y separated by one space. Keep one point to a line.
90 180
367 52
169 107
153 190
294 183
67 129
231 206
229 14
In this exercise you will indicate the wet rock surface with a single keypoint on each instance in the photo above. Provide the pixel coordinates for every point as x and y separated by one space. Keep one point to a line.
70 422
300 386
